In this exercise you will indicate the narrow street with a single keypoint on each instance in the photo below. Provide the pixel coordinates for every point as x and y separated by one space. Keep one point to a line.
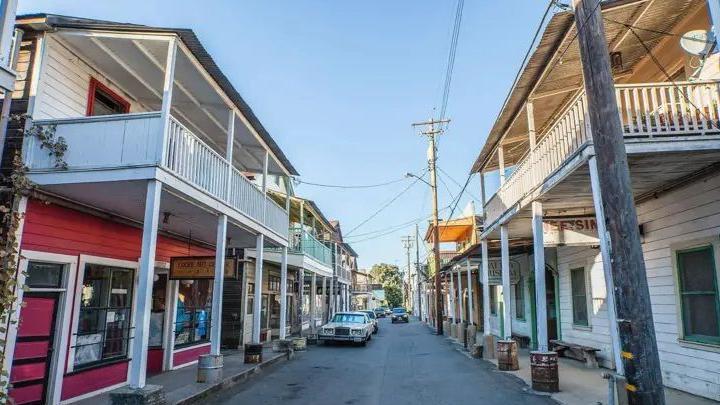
403 364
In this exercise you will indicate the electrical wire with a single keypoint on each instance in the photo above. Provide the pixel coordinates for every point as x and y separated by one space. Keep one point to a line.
387 183
393 227
451 57
473 195
387 204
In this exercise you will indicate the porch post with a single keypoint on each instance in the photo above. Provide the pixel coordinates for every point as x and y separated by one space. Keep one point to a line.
471 307
138 365
607 265
230 143
460 306
313 300
216 314
451 297
530 110
325 300
501 164
539 262
257 300
486 287
301 298
283 292
505 263
336 272
165 109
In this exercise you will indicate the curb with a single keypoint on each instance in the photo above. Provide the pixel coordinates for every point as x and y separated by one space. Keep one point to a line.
231 381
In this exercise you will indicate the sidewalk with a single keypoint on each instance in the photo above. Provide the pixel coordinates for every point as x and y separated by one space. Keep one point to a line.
181 386
581 386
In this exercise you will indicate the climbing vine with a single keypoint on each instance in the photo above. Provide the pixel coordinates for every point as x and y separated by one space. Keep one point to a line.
13 187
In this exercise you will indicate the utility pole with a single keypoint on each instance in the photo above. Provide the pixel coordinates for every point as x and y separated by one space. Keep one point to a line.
632 297
407 244
417 270
431 133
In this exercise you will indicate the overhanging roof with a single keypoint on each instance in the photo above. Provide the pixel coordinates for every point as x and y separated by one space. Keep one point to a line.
44 21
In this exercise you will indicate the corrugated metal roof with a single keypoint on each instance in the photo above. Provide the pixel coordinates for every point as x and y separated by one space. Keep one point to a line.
194 45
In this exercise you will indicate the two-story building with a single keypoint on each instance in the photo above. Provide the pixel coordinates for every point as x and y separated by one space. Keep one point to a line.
139 149
541 149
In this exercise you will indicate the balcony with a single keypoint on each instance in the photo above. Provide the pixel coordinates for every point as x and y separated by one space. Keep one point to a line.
662 113
365 288
132 146
302 242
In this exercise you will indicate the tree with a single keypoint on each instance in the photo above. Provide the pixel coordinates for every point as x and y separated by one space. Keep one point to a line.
392 282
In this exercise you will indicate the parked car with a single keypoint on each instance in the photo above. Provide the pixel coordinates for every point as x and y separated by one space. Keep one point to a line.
380 312
354 327
388 312
400 315
373 318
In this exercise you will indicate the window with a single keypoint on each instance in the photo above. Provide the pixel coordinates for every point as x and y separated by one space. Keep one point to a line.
157 312
44 275
519 300
579 296
103 101
192 319
493 300
104 318
699 294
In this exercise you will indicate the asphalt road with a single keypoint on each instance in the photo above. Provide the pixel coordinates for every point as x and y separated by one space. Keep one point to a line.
403 364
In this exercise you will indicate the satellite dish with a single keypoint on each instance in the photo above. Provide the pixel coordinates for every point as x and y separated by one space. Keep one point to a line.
697 42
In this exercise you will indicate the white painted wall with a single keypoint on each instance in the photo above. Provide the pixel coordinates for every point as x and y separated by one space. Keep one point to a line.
680 219
65 82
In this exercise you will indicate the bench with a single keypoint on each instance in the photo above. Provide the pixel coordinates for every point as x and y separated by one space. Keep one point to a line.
523 341
586 354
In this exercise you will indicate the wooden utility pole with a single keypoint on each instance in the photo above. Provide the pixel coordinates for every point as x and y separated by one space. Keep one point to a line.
431 133
407 244
632 297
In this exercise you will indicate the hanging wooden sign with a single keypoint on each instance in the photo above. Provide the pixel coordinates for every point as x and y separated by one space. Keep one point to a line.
198 267
576 231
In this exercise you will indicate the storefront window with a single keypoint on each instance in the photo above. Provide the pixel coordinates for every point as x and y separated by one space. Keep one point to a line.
157 314
104 318
192 319
275 312
520 300
493 300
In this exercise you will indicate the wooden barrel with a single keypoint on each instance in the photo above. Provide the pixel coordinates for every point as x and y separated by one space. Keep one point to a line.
253 353
507 355
544 371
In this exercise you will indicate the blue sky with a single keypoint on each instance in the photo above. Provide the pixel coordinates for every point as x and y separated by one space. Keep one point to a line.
338 83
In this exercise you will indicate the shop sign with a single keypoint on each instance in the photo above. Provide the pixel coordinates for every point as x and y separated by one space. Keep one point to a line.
495 272
570 231
198 267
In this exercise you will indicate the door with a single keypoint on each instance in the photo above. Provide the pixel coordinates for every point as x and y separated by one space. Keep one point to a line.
33 348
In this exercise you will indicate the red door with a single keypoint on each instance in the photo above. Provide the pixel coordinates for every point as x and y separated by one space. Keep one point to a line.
33 348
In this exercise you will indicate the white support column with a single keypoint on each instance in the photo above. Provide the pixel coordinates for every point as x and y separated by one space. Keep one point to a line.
216 314
313 300
607 267
530 110
283 292
505 263
167 95
539 263
325 300
471 307
486 286
138 365
230 143
501 164
257 300
460 306
451 297
336 272
482 194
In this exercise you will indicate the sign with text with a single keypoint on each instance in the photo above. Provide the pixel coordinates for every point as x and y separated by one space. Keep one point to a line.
495 272
198 267
570 231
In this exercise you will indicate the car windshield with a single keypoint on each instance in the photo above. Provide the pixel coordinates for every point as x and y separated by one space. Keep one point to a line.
349 318
398 310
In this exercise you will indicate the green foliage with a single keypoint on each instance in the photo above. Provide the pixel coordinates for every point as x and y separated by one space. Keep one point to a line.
391 279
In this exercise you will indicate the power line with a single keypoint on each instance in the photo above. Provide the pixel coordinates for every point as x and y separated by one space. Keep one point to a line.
394 227
473 195
452 196
343 186
387 204
451 57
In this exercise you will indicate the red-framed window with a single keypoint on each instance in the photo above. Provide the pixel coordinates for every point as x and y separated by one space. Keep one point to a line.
103 101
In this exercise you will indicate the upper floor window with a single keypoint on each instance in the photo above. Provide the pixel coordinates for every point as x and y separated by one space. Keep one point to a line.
699 294
103 101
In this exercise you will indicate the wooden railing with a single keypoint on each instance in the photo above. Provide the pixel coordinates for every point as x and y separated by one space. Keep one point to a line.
646 110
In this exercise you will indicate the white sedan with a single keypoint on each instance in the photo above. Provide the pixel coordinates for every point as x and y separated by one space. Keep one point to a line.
347 327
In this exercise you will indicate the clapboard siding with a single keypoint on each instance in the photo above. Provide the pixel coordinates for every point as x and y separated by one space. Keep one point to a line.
65 83
688 214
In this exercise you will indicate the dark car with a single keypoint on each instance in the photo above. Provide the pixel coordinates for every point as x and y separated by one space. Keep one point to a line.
379 312
373 318
400 315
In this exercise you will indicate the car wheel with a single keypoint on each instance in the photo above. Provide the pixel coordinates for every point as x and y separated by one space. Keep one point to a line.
364 343
369 338
375 331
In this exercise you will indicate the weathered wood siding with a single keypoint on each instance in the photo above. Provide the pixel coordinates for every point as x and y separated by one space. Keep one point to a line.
674 220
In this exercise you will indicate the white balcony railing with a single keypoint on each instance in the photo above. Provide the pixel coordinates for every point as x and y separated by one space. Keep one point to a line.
646 110
134 140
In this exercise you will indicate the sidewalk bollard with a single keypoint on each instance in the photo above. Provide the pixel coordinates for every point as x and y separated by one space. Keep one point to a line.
544 371
507 355
253 353
210 368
